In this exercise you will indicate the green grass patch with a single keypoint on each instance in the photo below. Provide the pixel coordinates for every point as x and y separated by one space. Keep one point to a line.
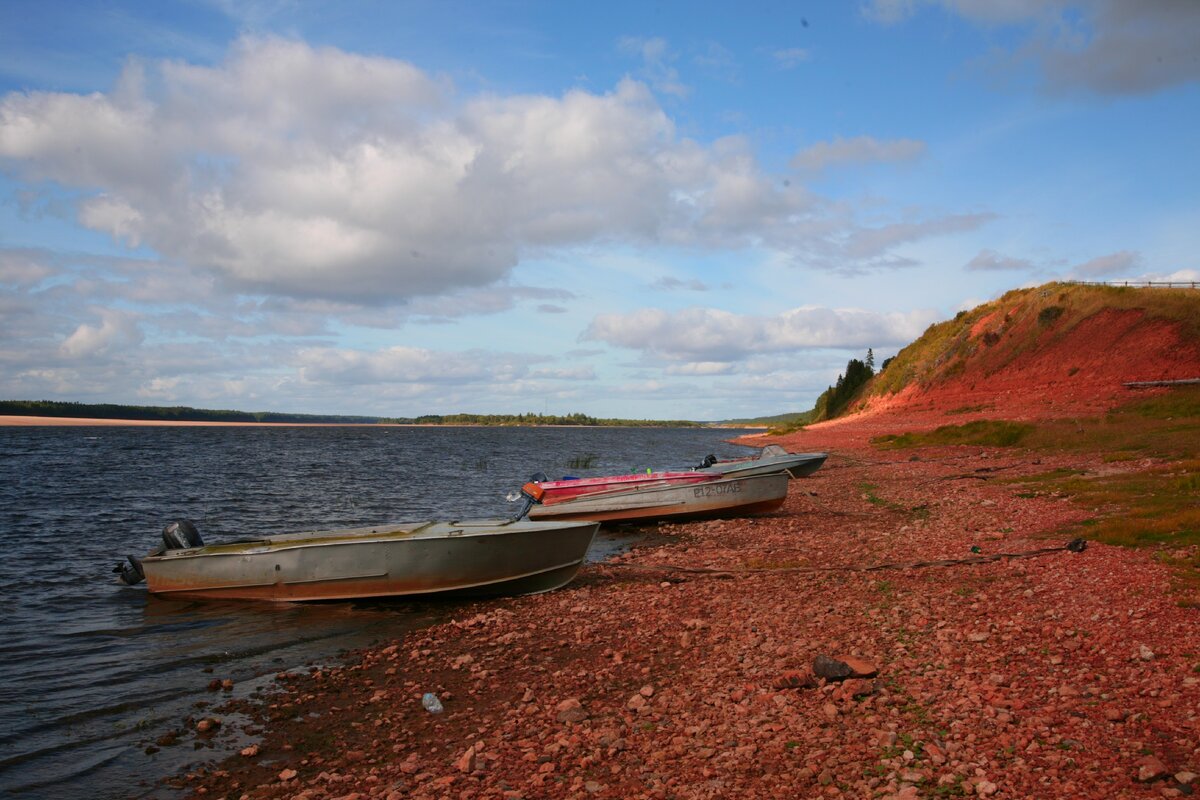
868 494
1163 427
983 432
1153 508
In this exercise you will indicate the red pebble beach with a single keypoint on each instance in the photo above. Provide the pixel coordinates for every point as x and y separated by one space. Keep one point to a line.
1065 675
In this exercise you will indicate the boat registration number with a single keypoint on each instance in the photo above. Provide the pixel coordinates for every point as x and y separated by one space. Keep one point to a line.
720 488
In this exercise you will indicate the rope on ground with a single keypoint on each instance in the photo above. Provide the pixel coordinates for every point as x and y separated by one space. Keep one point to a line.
1073 546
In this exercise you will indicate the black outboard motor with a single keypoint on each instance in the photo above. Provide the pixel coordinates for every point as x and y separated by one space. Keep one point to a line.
181 535
130 571
708 461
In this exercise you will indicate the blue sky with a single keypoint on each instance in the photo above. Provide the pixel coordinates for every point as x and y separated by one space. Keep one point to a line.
668 210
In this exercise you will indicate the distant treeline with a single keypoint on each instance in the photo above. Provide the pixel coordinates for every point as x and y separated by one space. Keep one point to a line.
834 401
52 408
536 419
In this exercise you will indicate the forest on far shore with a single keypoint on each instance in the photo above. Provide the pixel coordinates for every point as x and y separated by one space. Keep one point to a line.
54 408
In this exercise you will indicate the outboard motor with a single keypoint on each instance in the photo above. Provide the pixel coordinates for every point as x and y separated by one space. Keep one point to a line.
708 461
530 493
130 571
181 535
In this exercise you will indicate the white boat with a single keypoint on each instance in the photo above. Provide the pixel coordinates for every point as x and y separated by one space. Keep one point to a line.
478 557
771 458
719 497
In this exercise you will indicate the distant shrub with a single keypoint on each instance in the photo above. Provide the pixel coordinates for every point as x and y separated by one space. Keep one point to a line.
1049 314
990 338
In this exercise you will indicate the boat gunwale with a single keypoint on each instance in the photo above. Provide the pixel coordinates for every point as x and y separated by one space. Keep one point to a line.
310 539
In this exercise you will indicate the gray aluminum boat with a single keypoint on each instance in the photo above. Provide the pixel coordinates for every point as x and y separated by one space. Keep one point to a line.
772 458
478 557
720 497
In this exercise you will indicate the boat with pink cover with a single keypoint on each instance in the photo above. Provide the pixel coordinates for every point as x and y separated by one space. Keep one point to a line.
570 488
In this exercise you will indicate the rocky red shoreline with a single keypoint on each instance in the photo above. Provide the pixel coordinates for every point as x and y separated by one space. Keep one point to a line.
1063 675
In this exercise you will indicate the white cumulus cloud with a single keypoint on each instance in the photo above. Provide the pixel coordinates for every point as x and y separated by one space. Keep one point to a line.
115 329
289 170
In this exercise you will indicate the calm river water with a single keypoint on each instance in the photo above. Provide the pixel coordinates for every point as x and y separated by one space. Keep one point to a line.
92 673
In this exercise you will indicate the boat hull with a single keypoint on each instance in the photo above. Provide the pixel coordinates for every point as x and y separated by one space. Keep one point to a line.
723 497
423 560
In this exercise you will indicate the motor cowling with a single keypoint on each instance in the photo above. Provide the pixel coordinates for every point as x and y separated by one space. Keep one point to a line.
181 535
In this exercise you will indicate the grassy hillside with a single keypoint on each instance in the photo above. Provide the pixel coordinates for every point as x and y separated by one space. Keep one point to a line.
996 335
1040 345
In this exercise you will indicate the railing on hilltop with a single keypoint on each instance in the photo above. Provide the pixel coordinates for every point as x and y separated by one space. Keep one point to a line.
1142 284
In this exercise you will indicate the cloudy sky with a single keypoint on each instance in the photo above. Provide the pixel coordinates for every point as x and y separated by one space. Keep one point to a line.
650 210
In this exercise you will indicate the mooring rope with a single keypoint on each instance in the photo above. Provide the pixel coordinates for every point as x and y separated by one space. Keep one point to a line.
1073 546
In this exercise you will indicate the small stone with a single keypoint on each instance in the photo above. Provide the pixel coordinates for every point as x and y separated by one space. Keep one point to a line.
1150 769
985 788
250 752
466 762
1115 715
636 703
287 775
227 684
571 710
978 636
646 691
1185 777
1145 653
207 724
857 687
